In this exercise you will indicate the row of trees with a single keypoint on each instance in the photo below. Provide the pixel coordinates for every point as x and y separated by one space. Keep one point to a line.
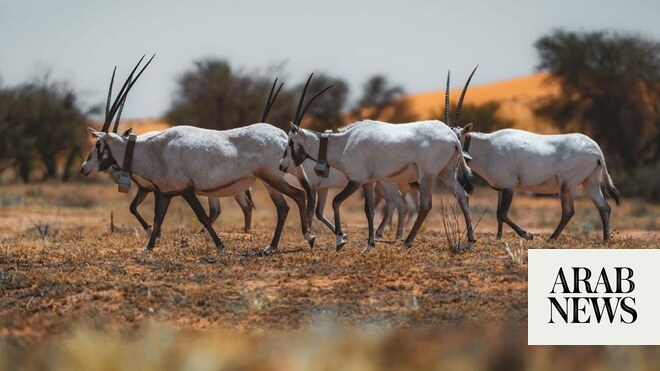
609 89
41 128
214 95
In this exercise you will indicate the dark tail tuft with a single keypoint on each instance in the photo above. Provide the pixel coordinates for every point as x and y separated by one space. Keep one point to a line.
607 186
464 173
465 180
610 190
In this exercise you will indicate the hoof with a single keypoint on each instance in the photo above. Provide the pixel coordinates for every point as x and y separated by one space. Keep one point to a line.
219 250
407 245
528 236
379 236
341 241
147 250
367 249
269 251
311 242
149 231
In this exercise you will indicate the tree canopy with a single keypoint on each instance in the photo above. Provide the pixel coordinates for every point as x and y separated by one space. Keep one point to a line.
609 89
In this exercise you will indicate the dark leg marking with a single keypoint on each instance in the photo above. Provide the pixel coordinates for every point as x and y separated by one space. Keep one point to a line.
567 210
139 198
350 188
503 214
189 196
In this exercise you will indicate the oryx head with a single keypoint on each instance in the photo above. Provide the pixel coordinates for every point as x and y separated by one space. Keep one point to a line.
295 149
100 157
459 131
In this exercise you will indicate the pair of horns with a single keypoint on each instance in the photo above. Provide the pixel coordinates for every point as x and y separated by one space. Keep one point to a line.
271 100
300 111
118 105
460 100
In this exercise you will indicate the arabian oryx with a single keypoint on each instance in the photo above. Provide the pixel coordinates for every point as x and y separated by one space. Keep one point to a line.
512 159
244 200
185 161
369 151
389 192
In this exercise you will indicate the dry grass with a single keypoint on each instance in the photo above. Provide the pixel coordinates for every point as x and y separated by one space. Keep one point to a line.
428 304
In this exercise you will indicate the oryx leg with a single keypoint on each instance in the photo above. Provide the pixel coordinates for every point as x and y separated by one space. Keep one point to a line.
413 191
282 211
425 204
387 218
189 196
393 198
320 206
162 204
214 209
298 195
310 192
567 209
350 188
500 222
450 180
503 213
244 201
369 212
139 198
592 186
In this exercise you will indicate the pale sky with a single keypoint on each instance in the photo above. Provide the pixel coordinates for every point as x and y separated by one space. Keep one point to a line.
413 42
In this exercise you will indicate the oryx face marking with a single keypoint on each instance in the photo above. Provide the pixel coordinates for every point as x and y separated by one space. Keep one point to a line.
100 158
294 152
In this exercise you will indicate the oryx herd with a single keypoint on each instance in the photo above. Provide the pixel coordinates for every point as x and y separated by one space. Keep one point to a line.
400 161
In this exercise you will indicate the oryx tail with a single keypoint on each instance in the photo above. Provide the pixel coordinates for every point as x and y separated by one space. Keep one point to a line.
606 184
464 174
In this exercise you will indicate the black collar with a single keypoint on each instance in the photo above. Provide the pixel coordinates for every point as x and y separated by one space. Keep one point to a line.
128 154
321 168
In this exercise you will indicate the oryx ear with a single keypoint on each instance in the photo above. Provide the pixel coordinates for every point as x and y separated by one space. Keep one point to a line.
467 128
94 133
294 128
128 132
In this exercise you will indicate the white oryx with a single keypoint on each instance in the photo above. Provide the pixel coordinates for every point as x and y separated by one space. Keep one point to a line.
512 159
185 161
389 192
369 151
244 200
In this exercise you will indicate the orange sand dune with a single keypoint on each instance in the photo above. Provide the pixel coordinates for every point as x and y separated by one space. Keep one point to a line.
141 126
516 97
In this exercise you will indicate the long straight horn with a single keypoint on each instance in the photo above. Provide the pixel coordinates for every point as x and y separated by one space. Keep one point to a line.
107 103
297 118
310 102
271 100
447 101
115 105
122 99
460 100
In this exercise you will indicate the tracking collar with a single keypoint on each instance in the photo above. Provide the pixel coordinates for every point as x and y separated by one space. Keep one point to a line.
321 168
124 183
